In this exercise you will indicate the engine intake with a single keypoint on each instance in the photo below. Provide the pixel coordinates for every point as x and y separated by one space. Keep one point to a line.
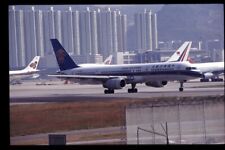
117 83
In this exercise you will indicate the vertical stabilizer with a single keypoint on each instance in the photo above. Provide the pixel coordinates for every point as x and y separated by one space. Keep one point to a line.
33 64
182 53
108 60
65 62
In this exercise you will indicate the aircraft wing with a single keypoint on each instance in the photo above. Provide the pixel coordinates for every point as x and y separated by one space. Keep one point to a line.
91 77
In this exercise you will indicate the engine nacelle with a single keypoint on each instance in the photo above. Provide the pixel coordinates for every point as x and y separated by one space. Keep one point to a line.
156 83
208 75
117 83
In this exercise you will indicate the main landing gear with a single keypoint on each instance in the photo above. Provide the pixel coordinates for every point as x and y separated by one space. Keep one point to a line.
212 79
133 89
109 91
217 79
204 80
181 86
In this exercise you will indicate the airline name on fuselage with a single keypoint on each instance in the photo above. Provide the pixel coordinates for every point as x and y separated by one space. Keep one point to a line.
131 69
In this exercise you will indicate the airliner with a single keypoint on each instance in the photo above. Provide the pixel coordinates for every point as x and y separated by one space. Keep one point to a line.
210 70
29 71
113 77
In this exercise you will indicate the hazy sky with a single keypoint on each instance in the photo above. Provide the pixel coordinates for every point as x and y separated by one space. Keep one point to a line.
65 7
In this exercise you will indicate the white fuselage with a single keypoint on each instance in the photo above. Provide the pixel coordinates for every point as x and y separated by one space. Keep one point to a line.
29 71
140 73
18 74
210 67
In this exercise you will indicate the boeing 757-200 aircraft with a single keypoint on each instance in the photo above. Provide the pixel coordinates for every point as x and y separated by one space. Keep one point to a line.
114 77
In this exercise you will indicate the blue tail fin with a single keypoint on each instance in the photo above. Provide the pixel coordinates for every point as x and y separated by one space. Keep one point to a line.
65 62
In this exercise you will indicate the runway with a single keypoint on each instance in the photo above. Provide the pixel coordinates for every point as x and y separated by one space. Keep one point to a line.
59 92
56 91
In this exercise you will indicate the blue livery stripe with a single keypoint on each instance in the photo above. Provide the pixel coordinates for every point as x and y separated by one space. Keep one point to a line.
173 72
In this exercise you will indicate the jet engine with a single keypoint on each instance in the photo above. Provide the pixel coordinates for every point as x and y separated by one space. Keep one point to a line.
208 75
116 83
156 83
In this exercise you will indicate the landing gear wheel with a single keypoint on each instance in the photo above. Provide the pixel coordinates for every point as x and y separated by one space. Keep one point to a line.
181 89
204 80
135 90
220 79
217 80
109 91
181 86
213 80
132 90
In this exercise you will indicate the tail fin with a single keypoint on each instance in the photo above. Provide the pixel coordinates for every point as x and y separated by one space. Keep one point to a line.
108 60
182 53
33 64
65 62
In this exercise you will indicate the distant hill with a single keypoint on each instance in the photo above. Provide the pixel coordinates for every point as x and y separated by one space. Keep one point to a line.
191 22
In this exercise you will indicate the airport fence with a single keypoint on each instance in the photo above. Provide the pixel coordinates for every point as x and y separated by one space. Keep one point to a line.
177 122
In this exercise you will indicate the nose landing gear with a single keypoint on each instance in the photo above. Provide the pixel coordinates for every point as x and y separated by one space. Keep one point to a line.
181 86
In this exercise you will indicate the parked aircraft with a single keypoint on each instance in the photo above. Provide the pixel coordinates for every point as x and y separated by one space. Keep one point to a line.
30 71
210 70
114 77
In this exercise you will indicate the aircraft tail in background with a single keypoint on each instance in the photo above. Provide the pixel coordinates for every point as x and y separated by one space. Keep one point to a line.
108 60
32 66
29 71
182 53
